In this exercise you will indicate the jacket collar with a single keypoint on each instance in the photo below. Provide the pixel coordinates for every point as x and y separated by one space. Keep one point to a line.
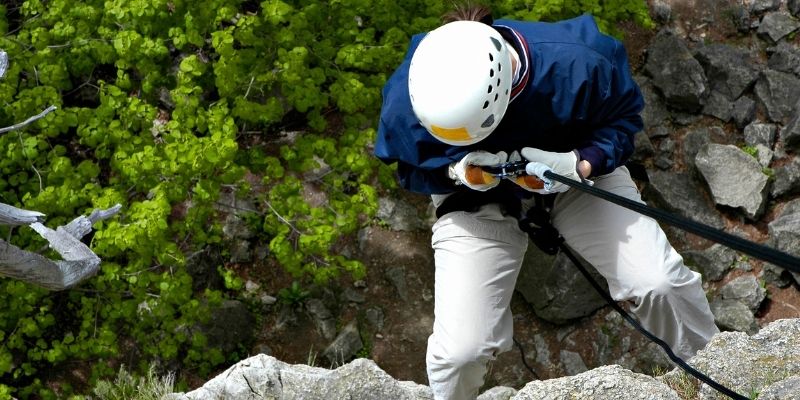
521 46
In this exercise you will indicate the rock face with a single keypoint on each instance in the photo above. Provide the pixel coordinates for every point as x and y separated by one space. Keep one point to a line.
767 362
555 288
609 382
264 377
751 364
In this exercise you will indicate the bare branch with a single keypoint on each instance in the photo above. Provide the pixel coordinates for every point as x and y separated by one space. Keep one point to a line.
29 120
10 215
3 63
81 226
79 262
280 217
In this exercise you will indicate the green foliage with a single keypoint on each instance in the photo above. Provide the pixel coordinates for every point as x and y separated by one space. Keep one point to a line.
607 13
751 150
293 295
161 105
231 280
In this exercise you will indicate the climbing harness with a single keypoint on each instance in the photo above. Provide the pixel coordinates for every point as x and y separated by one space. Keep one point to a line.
536 223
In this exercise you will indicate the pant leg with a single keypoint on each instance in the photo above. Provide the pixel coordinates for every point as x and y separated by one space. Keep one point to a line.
633 254
478 257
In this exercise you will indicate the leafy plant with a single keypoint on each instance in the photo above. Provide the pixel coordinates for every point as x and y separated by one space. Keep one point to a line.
607 13
231 280
752 151
162 104
294 294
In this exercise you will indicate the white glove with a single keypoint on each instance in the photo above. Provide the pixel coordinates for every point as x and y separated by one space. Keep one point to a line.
564 164
467 172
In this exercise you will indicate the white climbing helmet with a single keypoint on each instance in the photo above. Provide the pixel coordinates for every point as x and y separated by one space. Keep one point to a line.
459 81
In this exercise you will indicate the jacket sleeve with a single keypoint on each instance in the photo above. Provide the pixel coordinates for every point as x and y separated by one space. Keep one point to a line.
424 181
615 118
402 140
422 160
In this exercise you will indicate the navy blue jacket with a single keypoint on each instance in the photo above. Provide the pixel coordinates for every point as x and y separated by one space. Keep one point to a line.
579 95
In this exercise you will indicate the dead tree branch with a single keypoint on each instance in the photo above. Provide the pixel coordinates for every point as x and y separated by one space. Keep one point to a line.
79 261
28 121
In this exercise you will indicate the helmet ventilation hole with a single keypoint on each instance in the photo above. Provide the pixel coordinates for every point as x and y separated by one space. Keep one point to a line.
496 95
488 122
491 73
490 89
485 104
498 81
496 44
491 57
499 67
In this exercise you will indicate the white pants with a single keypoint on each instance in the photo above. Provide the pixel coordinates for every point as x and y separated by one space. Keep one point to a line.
478 257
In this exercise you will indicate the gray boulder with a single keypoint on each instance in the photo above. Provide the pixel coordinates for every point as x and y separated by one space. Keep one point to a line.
713 263
322 316
734 178
787 179
555 288
778 91
787 389
345 346
400 216
572 362
790 135
750 364
604 383
661 11
665 158
728 69
679 193
718 106
693 141
783 230
733 315
785 58
264 377
794 7
676 73
760 6
776 25
776 276
745 289
743 111
655 112
643 148
498 393
760 133
764 155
